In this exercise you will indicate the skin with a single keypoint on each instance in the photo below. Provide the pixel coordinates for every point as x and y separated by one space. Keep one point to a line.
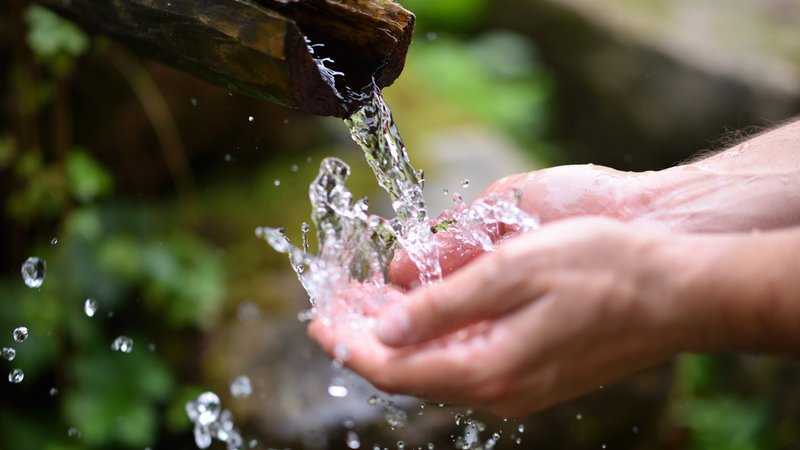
628 270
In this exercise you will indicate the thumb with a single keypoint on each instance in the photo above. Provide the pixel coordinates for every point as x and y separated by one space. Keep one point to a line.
487 287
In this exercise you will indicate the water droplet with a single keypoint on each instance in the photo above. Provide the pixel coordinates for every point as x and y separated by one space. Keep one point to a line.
194 101
431 35
253 443
16 376
603 446
401 445
122 344
458 419
20 334
228 157
579 416
54 241
33 271
202 437
241 387
277 182
8 353
465 183
446 191
352 440
90 307
431 446
294 168
251 118
53 392
635 430
73 433
518 440
521 428
373 400
496 436
205 410
337 388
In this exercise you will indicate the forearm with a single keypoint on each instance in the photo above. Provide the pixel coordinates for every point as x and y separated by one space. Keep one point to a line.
737 291
754 185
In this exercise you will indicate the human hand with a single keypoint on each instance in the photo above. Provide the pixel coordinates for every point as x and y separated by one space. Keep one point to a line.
550 194
547 316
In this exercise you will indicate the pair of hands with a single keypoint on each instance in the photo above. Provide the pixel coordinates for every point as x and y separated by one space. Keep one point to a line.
547 316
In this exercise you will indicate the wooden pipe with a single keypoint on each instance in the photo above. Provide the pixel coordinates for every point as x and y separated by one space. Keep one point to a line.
260 47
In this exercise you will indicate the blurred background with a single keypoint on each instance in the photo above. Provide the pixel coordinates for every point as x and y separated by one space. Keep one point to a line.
141 187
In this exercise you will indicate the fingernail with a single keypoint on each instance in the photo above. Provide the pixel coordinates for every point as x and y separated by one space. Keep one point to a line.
394 327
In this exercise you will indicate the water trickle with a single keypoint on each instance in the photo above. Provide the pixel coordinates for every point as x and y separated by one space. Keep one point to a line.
33 272
90 307
122 344
241 387
8 353
16 376
20 334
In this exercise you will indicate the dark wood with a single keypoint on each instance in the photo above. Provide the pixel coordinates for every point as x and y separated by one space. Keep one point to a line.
259 47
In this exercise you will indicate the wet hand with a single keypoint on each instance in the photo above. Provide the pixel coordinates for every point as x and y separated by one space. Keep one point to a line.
547 316
549 194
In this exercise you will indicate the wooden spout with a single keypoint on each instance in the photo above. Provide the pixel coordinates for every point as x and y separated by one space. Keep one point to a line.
260 47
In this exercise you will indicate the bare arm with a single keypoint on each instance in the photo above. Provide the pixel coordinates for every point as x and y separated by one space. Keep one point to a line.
754 185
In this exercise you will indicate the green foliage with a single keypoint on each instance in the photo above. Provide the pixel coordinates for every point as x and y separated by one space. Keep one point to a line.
725 423
446 14
495 77
87 179
54 41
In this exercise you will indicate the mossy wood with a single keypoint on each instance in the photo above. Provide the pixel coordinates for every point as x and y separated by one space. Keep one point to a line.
258 47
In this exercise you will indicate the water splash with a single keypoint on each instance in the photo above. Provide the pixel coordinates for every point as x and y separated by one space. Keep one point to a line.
212 422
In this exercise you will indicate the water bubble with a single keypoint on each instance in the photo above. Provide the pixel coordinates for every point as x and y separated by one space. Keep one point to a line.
465 183
251 118
204 410
8 353
277 182
241 387
54 241
73 433
122 344
16 376
53 392
33 271
90 307
337 388
20 334
521 428
352 440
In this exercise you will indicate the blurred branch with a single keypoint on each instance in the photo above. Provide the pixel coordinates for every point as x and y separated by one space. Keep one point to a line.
159 115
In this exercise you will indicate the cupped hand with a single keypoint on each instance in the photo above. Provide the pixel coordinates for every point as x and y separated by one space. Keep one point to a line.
547 316
549 194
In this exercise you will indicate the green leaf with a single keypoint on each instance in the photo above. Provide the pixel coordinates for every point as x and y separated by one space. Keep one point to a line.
88 180
54 41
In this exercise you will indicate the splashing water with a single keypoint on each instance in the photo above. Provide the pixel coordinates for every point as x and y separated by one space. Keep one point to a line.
355 246
213 422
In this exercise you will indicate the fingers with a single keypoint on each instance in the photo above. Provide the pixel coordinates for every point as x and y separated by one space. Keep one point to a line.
453 254
493 284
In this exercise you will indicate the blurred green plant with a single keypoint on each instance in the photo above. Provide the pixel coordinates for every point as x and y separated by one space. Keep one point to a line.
446 14
55 42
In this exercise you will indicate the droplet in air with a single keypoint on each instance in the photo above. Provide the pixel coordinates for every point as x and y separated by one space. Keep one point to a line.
194 101
53 392
202 437
122 344
90 307
277 182
401 445
521 428
8 353
251 118
578 416
73 433
204 410
446 191
20 334
465 183
352 440
33 271
241 387
341 352
16 376
294 168
54 241
337 388
458 419
431 446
